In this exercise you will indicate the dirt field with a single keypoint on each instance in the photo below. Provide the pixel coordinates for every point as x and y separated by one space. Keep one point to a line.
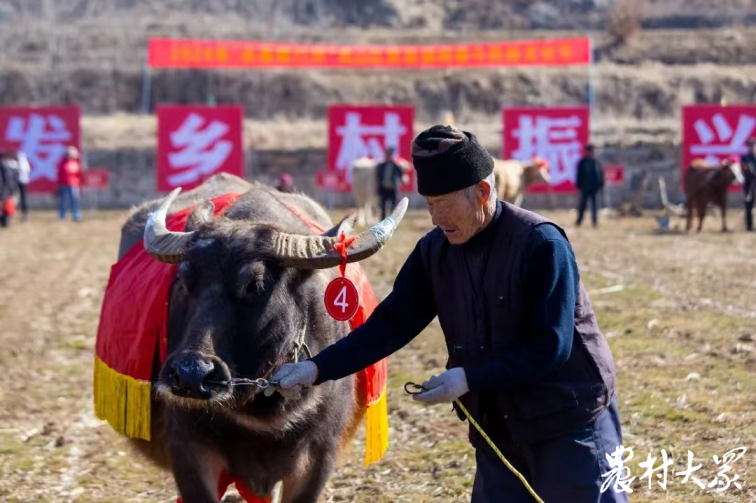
681 329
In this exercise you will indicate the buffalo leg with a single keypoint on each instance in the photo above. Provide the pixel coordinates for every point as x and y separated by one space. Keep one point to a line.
689 216
701 210
196 472
308 489
723 207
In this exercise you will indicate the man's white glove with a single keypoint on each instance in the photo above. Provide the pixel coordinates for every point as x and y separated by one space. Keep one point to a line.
444 388
291 377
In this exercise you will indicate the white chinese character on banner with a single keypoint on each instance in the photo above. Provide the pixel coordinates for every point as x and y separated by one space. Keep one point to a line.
718 139
201 152
554 139
359 140
44 139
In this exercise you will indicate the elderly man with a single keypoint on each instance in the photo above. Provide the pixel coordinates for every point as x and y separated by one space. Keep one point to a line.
526 356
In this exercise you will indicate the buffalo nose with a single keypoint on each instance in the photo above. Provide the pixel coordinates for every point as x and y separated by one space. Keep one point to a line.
189 373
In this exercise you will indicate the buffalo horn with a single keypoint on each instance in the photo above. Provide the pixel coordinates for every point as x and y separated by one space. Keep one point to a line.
164 245
317 252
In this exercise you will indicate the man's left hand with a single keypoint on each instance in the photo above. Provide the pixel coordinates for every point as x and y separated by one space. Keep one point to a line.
444 388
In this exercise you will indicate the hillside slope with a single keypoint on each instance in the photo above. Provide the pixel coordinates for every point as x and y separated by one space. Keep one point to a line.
92 53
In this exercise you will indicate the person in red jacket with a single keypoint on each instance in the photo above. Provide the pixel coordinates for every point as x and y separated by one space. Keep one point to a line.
7 188
69 184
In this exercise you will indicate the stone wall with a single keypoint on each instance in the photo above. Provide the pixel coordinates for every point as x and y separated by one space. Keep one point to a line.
133 179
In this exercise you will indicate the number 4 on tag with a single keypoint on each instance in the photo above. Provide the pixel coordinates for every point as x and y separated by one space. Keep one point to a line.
341 299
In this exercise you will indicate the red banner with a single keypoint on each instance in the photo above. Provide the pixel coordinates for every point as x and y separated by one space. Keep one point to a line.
713 132
355 131
95 178
188 53
196 142
330 181
557 135
43 134
614 174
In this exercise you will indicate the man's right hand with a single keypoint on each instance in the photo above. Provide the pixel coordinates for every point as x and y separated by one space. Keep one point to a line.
291 377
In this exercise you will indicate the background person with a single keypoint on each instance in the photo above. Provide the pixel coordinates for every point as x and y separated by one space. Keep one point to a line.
748 165
69 184
590 180
7 188
389 173
23 170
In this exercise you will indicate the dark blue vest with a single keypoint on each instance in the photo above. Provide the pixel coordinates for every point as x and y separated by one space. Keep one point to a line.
480 322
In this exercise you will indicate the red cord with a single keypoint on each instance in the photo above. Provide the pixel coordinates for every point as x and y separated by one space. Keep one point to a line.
341 247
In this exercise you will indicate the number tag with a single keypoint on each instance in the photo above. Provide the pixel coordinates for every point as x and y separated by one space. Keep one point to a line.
341 299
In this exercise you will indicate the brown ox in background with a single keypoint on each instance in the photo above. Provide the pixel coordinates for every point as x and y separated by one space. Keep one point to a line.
708 183
514 177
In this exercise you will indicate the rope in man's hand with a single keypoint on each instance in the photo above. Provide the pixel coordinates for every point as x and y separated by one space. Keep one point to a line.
417 389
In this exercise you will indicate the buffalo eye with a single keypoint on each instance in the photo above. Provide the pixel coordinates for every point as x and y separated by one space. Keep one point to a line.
253 291
181 286
251 282
184 278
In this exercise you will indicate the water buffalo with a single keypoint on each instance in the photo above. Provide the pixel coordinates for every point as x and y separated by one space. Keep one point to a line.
514 177
705 183
248 297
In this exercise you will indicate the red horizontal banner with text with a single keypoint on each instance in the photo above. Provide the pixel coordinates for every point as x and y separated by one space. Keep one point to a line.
188 53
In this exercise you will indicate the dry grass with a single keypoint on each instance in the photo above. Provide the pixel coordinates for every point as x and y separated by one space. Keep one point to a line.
687 307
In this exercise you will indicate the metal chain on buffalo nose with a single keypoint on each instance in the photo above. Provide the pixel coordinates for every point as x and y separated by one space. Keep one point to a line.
416 388
243 381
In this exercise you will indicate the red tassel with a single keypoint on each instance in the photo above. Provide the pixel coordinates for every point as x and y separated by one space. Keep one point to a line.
341 247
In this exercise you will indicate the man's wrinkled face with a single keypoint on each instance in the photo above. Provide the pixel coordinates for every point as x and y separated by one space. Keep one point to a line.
458 216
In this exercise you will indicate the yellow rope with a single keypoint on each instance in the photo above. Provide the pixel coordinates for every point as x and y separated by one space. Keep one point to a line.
498 452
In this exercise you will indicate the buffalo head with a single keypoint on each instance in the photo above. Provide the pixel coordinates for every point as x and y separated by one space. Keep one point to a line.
244 294
536 171
732 170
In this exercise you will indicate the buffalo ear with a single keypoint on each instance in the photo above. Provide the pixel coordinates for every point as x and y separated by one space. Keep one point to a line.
346 226
200 215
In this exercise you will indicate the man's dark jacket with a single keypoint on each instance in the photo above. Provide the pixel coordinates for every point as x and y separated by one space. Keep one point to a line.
7 181
748 164
396 175
590 175
571 395
531 376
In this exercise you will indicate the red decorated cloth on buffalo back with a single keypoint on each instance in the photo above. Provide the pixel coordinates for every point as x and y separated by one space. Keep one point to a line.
131 328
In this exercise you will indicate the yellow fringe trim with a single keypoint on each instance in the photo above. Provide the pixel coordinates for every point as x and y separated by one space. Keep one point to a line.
376 429
122 401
